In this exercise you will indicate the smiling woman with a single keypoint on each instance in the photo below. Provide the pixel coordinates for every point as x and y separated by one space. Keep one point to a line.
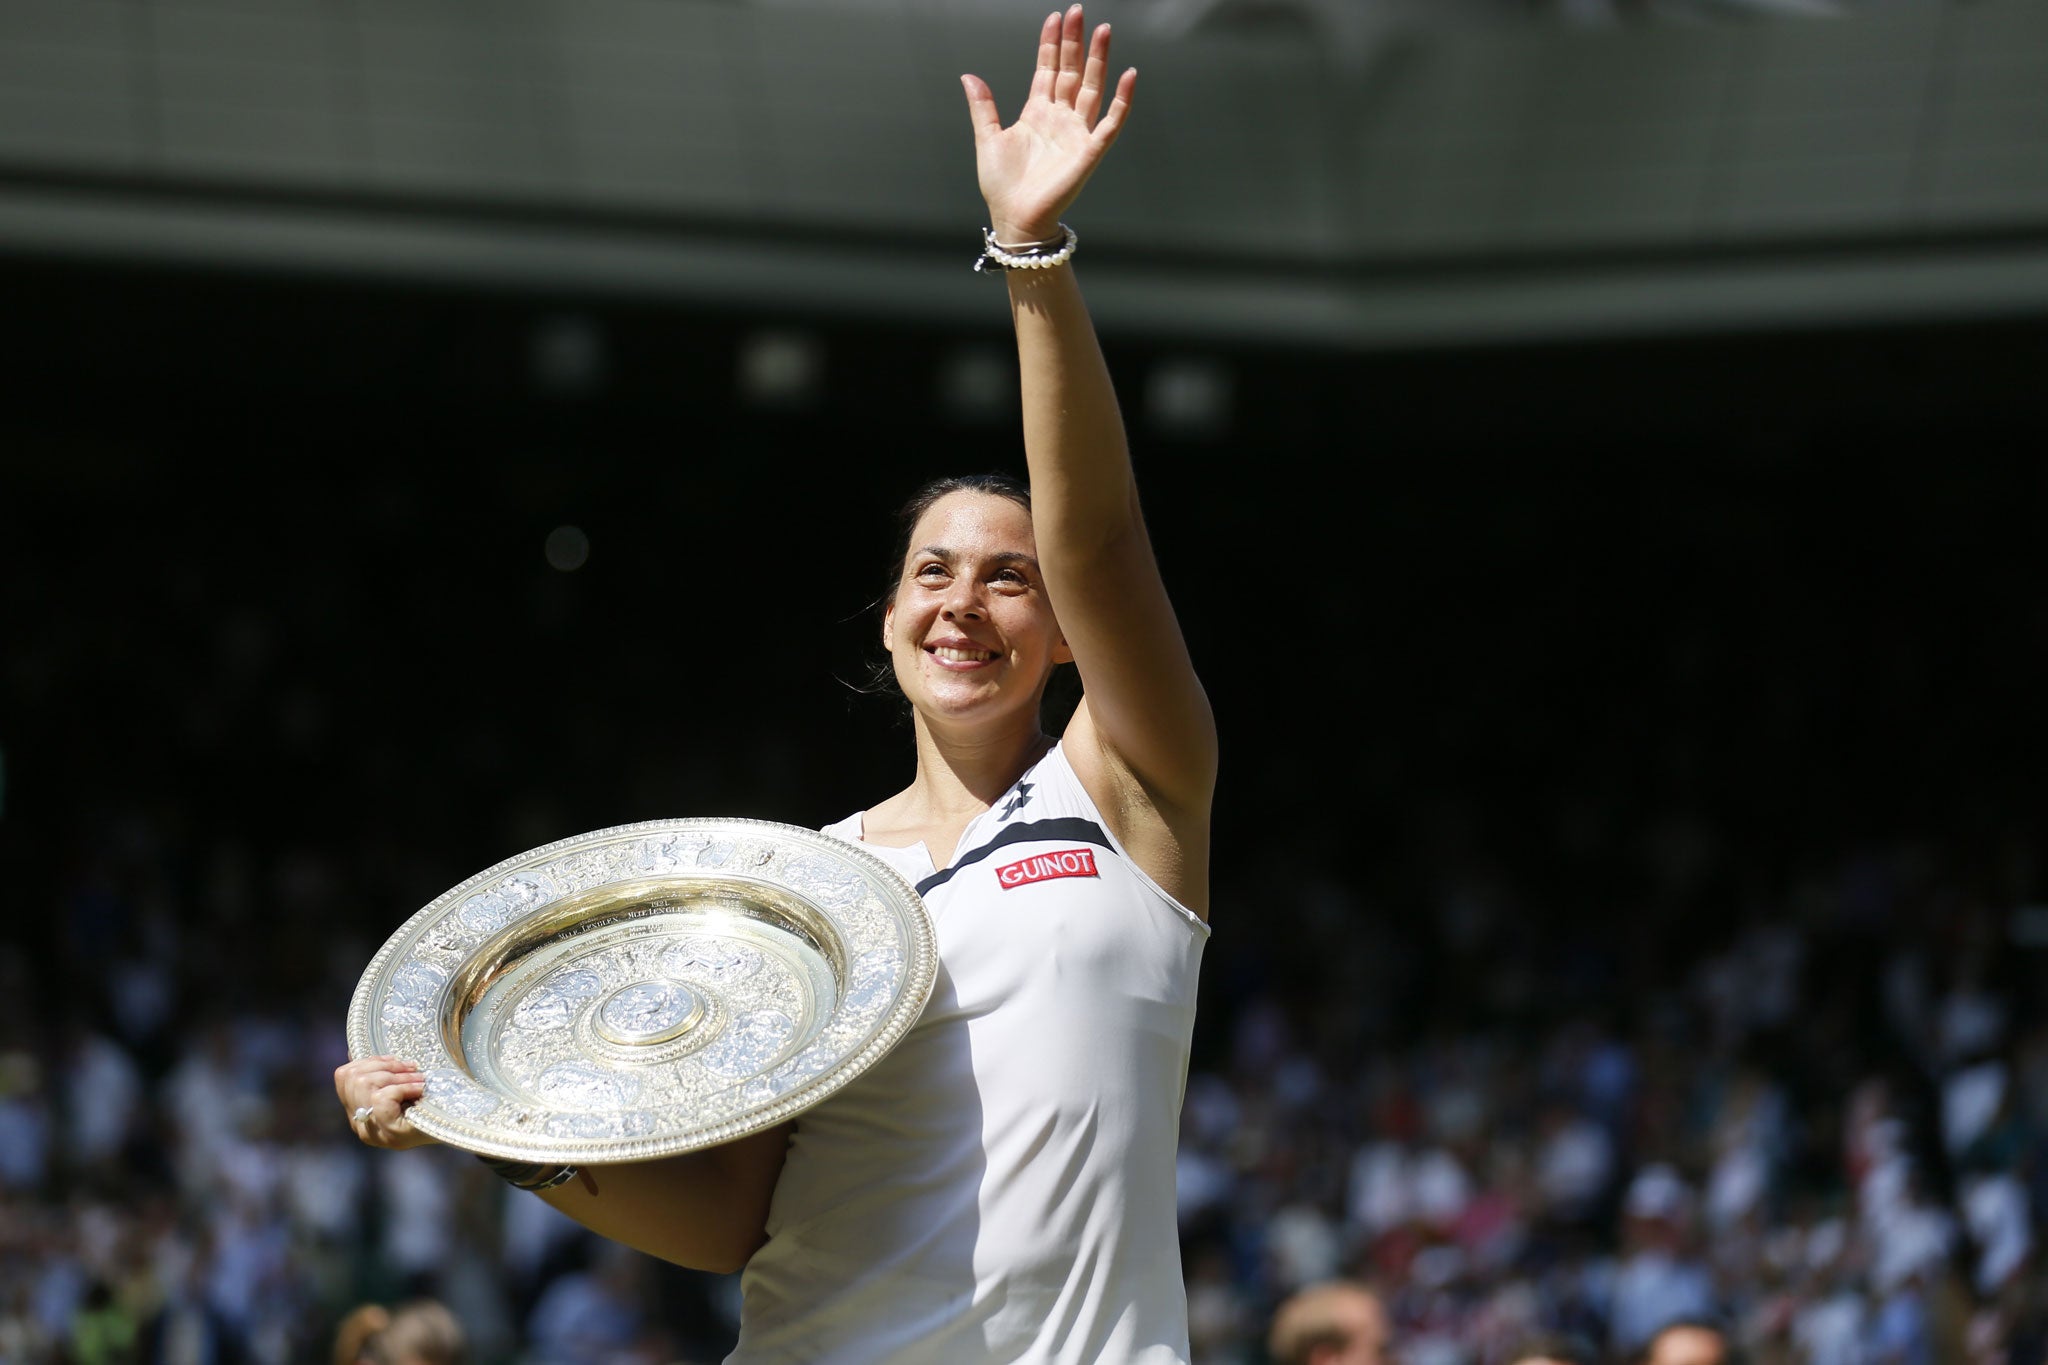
970 622
1000 1186
910 518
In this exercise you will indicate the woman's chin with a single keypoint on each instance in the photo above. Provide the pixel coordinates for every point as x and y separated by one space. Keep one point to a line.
957 704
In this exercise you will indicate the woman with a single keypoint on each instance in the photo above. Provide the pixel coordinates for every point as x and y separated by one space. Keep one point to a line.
1000 1186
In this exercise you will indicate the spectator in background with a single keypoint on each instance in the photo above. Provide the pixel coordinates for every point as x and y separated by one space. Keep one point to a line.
1336 1322
1688 1342
594 1316
24 1122
1552 1348
422 1332
1660 1281
1575 1164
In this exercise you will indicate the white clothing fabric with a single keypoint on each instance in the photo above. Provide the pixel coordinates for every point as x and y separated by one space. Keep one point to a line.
1000 1187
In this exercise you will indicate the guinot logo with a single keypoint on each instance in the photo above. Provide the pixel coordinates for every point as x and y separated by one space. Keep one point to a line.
1045 867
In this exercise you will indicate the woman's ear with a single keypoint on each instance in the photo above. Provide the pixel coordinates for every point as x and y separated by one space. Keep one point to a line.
888 629
1062 652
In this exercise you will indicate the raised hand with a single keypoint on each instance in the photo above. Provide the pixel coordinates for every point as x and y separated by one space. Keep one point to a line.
385 1087
1031 171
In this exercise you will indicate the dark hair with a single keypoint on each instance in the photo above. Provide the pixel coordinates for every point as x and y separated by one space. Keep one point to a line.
881 672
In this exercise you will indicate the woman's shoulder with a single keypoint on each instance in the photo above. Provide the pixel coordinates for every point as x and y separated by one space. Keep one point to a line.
848 829
1169 840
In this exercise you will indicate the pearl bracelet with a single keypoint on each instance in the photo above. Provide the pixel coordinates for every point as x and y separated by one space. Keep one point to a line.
1033 256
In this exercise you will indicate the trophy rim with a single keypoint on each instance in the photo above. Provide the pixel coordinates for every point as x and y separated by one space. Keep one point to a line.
920 975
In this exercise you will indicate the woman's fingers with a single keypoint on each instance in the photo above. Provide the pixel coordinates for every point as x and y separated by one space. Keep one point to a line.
1113 121
357 1083
376 1059
370 1072
1073 55
1089 102
981 108
386 1124
1072 64
388 1102
1048 58
377 1080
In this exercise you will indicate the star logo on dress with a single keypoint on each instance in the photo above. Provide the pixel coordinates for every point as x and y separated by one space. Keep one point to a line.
1017 802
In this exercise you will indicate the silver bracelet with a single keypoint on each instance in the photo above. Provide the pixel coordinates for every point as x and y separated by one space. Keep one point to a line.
1031 256
530 1175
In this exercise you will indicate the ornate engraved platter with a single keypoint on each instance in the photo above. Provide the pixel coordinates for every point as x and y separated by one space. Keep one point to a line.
648 989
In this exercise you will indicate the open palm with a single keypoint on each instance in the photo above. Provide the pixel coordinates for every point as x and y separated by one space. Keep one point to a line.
1031 171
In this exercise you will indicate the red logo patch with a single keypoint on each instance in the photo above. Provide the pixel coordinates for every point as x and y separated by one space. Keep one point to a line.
1044 867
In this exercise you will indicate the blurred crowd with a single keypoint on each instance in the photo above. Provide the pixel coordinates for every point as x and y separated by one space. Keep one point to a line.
177 1184
1644 935
1826 1133
1822 1125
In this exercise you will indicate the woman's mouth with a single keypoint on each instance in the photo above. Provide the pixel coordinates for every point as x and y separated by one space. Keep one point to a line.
947 654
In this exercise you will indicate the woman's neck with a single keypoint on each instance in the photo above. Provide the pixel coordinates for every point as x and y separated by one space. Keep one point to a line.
961 775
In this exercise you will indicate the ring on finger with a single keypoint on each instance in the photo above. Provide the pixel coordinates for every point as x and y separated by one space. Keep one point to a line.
362 1112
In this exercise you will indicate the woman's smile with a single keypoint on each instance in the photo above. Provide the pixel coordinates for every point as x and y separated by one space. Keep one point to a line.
960 655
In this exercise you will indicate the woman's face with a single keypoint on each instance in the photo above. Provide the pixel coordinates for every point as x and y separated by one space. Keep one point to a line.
970 630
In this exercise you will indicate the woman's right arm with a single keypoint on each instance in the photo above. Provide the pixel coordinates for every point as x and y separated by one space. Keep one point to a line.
706 1210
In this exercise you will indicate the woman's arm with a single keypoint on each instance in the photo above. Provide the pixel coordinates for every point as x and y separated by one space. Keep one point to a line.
706 1210
1145 711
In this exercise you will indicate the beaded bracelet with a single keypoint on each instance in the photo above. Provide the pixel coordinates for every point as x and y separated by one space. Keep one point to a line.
530 1175
1032 256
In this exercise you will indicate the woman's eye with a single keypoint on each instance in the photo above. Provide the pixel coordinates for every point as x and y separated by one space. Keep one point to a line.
932 571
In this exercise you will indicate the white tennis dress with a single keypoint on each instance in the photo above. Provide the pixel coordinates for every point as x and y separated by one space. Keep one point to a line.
1000 1187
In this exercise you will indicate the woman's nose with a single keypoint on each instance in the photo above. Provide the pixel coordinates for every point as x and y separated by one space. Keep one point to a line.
964 600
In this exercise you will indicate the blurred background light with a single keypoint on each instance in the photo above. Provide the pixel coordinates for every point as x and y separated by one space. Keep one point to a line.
1189 396
979 384
781 369
2028 927
568 356
567 548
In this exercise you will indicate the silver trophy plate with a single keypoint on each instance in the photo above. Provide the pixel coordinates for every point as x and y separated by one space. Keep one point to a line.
646 990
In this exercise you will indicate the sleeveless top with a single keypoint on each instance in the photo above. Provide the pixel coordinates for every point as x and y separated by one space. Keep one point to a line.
1000 1187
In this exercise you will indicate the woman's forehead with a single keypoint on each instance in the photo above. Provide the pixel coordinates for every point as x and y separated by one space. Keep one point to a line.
977 523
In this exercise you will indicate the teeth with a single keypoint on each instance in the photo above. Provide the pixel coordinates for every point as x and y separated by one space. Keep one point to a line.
963 656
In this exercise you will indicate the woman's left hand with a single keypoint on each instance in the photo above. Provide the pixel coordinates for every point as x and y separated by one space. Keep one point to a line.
377 1091
1033 170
